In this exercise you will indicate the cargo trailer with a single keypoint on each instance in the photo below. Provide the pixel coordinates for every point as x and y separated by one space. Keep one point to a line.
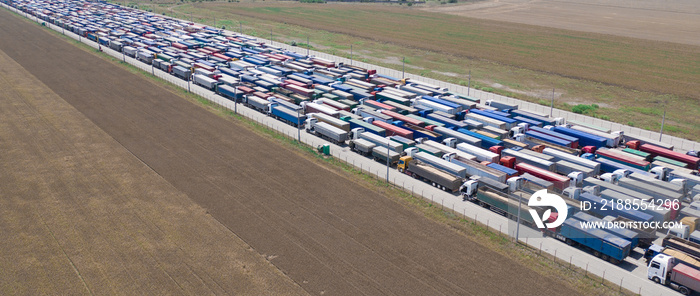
604 245
286 115
693 162
392 130
361 146
480 154
623 159
326 131
357 123
531 160
343 125
560 182
459 137
424 172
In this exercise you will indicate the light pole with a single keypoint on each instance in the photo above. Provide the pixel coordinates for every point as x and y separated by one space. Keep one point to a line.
663 119
403 67
307 45
298 127
387 160
240 27
350 54
551 107
517 227
235 98
469 83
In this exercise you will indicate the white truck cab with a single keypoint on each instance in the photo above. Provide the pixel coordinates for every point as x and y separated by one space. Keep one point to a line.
658 268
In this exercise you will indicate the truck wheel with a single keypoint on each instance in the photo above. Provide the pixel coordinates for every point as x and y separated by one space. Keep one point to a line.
434 185
569 242
604 257
656 279
400 170
684 290
614 261
596 253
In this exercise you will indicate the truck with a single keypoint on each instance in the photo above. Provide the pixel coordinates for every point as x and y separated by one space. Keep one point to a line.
380 154
361 146
501 105
286 115
481 154
377 140
563 156
205 81
531 160
623 158
437 162
486 120
604 245
611 139
474 168
447 149
565 168
658 213
584 139
356 123
460 137
560 182
647 236
631 236
602 207
325 130
692 161
424 172
343 125
256 103
683 245
660 194
667 270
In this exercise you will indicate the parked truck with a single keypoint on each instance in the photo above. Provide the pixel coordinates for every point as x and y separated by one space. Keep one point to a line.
425 172
361 146
683 245
667 270
286 115
602 244
325 130
380 154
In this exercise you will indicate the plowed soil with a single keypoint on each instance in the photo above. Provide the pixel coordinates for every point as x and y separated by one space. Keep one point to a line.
327 234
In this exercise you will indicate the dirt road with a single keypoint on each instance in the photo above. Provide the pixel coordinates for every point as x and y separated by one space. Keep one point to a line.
675 21
324 232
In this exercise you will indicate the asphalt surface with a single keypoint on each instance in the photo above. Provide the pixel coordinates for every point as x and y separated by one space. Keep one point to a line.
323 231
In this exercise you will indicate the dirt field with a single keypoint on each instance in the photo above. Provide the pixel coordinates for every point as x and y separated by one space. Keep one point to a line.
81 215
324 232
675 21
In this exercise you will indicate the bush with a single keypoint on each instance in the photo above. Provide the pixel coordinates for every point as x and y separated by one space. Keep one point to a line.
410 4
584 109
452 1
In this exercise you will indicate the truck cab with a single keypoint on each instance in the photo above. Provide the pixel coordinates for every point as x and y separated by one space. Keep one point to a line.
659 267
403 163
469 190
682 231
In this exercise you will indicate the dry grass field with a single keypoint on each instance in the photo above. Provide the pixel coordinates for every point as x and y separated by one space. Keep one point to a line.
116 185
630 78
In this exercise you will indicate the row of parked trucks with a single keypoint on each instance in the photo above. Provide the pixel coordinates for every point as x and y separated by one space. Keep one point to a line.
490 153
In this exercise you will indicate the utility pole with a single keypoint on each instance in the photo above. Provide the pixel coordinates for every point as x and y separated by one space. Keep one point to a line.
387 160
403 67
298 128
551 107
350 54
663 119
517 227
